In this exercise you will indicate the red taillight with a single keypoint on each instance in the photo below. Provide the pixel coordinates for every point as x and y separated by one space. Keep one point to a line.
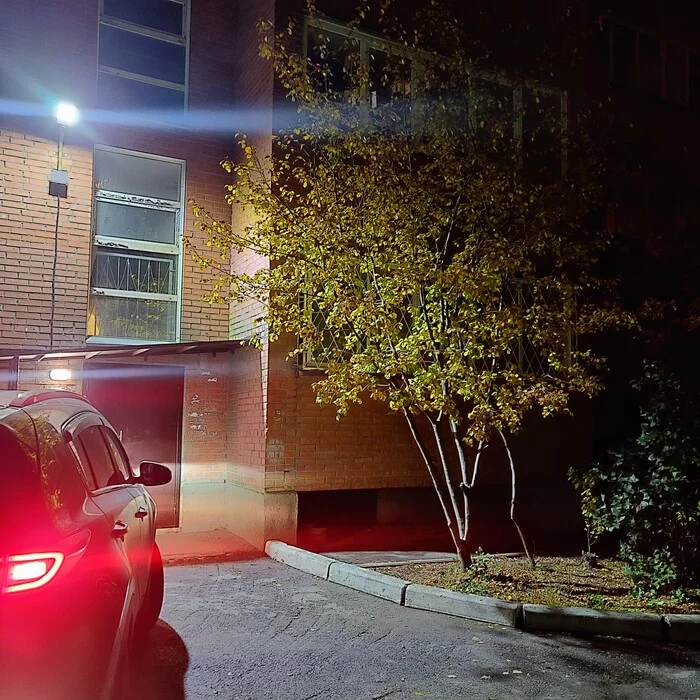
27 571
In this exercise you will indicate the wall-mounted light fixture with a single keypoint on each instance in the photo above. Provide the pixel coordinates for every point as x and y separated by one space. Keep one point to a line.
60 374
67 114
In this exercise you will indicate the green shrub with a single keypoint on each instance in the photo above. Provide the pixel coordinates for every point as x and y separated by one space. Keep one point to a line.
648 491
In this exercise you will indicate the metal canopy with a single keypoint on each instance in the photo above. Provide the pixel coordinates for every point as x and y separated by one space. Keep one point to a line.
89 352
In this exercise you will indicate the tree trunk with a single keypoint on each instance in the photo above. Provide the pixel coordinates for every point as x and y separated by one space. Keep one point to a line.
523 539
457 522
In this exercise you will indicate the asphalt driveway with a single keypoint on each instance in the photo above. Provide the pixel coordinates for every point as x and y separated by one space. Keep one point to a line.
258 630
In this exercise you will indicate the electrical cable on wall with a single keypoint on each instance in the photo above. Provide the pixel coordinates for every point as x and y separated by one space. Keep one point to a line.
53 271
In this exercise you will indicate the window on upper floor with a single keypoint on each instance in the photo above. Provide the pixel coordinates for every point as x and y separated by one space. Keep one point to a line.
645 63
137 257
143 54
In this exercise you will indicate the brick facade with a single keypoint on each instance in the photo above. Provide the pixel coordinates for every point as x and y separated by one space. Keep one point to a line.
255 444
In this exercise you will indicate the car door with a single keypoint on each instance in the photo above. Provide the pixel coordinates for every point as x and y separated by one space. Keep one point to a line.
114 497
145 513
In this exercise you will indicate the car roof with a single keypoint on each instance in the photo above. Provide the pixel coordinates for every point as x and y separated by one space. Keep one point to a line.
22 399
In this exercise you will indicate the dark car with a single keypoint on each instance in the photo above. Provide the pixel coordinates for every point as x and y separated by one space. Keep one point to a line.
81 577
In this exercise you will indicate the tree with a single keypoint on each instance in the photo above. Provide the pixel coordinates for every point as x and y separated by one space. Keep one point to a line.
423 248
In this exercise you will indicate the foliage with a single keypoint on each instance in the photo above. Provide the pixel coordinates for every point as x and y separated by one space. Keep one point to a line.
649 489
424 251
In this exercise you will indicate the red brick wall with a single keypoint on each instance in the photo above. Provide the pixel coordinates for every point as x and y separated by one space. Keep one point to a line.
63 64
254 81
308 449
27 230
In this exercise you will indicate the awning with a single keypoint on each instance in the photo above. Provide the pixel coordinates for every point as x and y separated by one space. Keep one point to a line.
89 352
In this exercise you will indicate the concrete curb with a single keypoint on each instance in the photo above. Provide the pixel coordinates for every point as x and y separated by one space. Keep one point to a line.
367 581
311 563
683 629
471 607
545 618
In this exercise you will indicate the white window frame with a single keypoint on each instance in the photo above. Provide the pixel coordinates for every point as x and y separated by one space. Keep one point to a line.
139 246
182 40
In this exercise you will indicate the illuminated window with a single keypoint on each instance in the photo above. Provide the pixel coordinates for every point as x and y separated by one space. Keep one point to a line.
135 283
143 51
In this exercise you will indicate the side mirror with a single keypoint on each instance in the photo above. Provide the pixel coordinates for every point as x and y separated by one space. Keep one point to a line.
153 474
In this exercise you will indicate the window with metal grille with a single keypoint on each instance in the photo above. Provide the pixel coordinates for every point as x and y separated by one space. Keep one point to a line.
135 282
143 54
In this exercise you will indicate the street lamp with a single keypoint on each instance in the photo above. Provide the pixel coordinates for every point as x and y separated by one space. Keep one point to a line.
67 115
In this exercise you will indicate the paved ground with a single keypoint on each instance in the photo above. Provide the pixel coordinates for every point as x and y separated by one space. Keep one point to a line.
197 547
261 631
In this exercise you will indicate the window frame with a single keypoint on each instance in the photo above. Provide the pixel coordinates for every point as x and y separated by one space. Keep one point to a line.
149 32
663 67
140 246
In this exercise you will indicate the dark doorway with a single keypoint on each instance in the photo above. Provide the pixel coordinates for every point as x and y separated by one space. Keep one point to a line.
144 404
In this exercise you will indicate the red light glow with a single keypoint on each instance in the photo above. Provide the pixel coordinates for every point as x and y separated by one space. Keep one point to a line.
28 571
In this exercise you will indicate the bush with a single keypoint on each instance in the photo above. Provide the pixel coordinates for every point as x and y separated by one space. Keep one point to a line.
648 491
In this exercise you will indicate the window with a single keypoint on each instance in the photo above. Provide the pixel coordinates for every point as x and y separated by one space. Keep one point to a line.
135 284
643 62
117 452
95 449
143 54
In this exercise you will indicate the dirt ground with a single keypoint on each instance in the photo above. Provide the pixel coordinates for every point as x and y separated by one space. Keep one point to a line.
556 581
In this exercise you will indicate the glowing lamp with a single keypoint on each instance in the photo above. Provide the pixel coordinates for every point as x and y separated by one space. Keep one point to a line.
60 374
67 114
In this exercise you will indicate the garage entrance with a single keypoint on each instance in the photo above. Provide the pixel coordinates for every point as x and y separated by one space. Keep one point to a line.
144 404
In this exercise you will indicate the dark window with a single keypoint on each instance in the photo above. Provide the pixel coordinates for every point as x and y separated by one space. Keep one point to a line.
333 60
140 175
676 74
136 53
165 15
117 452
114 92
694 83
492 111
542 133
100 459
624 56
389 77
649 65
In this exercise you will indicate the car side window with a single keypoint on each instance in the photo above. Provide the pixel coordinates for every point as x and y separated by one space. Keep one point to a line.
99 457
117 451
84 463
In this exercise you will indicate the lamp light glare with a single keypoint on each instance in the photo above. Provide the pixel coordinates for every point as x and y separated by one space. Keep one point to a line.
60 374
67 114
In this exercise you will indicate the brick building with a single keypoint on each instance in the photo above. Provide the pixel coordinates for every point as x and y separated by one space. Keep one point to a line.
99 283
